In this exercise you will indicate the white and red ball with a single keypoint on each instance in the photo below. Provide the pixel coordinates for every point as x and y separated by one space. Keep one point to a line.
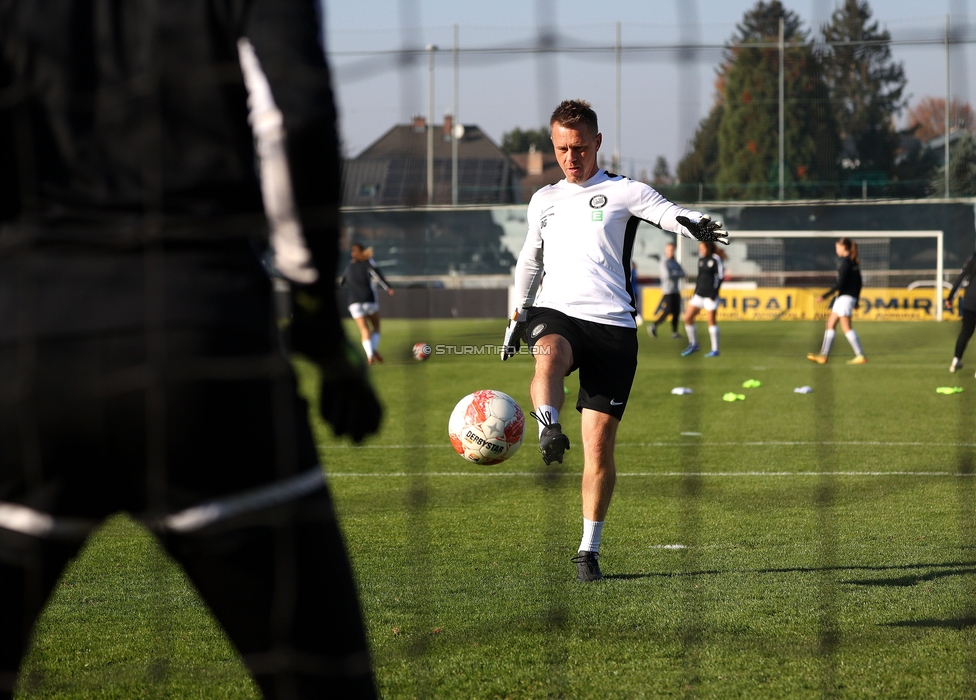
421 351
486 427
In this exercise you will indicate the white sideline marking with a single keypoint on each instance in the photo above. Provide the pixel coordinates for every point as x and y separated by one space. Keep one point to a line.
575 475
669 546
756 443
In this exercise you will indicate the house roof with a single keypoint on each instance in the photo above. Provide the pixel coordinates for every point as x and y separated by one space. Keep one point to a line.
540 168
410 141
393 170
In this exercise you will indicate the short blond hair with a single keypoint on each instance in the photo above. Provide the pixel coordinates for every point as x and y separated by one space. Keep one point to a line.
571 113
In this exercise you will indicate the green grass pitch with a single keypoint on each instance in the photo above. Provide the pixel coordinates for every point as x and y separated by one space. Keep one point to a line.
783 546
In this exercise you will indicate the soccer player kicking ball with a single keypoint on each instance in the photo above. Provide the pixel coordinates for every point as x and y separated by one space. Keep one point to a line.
848 288
581 235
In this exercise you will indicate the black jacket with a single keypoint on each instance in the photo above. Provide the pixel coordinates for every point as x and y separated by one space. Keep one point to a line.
358 280
848 279
124 124
966 276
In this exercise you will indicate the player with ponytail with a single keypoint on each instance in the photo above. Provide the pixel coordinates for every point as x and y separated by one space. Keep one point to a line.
848 289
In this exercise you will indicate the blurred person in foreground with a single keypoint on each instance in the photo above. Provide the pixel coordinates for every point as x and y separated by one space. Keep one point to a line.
582 316
141 366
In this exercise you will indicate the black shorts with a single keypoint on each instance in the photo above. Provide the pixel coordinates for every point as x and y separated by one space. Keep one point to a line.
605 355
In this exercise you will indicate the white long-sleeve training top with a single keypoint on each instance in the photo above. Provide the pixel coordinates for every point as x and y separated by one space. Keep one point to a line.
580 239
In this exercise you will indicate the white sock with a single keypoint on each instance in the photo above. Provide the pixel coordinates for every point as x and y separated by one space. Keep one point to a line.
368 347
374 340
552 417
692 334
713 336
855 342
956 362
592 531
828 341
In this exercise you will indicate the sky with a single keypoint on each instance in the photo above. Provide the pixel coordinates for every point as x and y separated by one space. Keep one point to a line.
663 92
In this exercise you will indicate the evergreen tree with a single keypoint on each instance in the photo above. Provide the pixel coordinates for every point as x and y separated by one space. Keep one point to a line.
748 137
700 164
662 172
962 170
518 141
866 89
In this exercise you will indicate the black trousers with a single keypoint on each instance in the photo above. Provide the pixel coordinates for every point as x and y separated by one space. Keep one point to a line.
158 424
966 332
672 307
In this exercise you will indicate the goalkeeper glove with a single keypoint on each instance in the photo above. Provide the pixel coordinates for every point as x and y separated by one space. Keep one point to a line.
514 335
705 229
346 399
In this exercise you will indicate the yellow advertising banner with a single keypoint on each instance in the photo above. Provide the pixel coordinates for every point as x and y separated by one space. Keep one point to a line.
800 304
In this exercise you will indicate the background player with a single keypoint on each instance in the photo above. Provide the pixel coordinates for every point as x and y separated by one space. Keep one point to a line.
848 289
671 274
711 272
581 236
360 280
967 310
140 361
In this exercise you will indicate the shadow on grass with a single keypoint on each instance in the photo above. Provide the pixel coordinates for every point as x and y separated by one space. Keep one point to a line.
943 570
913 580
956 624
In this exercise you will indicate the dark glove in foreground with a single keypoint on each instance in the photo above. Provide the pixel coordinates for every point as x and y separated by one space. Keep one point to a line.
705 229
346 399
514 335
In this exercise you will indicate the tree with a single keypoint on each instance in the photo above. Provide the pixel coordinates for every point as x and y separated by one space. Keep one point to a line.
518 141
928 117
662 172
700 164
748 136
962 170
866 87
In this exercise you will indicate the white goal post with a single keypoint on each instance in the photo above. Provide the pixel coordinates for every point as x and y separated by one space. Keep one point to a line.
683 249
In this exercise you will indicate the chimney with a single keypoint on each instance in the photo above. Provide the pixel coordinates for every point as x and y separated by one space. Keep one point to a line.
448 126
534 162
419 124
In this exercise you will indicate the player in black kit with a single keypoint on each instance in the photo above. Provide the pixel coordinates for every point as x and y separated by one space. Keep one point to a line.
848 290
360 280
711 272
967 309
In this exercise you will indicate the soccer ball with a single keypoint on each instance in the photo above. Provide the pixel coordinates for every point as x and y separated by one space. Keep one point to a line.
486 427
421 351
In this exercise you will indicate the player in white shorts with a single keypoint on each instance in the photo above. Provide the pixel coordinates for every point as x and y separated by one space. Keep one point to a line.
581 235
848 288
360 281
711 272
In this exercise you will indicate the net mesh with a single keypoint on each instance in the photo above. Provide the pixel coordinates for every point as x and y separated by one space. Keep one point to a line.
429 249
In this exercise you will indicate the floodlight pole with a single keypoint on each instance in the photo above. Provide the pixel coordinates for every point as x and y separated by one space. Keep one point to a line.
947 103
616 136
782 119
430 126
454 124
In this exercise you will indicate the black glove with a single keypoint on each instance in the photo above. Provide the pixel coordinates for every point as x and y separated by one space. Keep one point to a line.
705 229
514 335
346 399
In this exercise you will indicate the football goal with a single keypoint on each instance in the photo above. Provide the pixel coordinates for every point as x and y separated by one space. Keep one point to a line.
908 259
